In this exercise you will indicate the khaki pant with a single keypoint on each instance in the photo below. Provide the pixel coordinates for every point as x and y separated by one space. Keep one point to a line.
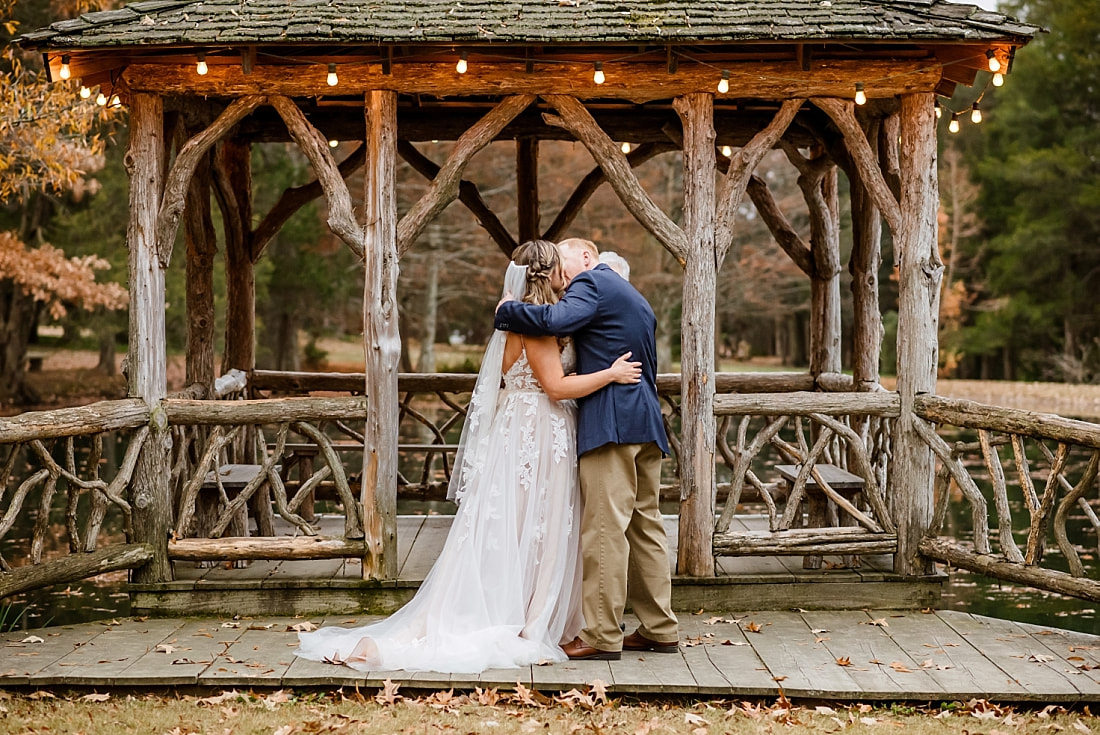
623 545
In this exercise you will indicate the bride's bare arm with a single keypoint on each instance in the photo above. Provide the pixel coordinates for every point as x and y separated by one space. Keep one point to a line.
545 359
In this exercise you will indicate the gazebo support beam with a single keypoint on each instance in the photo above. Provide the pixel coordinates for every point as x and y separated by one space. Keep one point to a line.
445 186
527 188
201 242
233 187
593 180
147 356
382 341
920 273
467 194
695 556
573 117
863 265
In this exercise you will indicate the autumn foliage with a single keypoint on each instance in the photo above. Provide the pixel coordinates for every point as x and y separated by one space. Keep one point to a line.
57 281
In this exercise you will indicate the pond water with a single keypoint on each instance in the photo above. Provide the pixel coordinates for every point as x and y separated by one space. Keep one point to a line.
103 597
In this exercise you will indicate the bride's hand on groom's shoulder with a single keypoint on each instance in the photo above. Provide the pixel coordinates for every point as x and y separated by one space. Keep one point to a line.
507 297
625 371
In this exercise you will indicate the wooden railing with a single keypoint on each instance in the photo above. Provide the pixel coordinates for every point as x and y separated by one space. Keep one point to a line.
47 452
846 431
1050 483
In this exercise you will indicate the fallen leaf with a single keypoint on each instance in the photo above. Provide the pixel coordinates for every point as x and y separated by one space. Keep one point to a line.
844 661
1040 658
166 648
900 667
728 642
95 697
389 694
1080 726
598 689
284 730
33 639
693 719
752 627
881 622
303 627
822 710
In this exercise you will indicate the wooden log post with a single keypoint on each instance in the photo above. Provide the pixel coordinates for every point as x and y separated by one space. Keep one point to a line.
867 330
235 162
527 187
382 340
201 242
147 357
694 554
918 318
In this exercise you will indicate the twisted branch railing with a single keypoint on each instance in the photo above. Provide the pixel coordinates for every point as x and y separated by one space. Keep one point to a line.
1048 513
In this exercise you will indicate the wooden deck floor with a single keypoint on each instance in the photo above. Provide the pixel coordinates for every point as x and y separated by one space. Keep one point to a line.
890 656
335 586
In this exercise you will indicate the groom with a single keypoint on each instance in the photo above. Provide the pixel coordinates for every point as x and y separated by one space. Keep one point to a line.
620 440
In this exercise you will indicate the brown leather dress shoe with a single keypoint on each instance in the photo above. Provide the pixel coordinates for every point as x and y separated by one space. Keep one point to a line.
577 650
638 642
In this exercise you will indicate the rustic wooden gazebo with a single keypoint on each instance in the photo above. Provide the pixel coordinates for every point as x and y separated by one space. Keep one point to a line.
839 85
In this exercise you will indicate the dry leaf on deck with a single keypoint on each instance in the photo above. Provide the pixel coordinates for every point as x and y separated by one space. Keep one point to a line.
844 661
302 627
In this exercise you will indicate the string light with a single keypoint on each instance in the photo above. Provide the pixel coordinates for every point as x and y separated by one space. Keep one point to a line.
101 99
332 79
953 126
462 64
333 143
85 93
597 75
724 82
861 96
998 79
727 151
625 147
994 62
200 66
939 110
115 101
64 72
975 114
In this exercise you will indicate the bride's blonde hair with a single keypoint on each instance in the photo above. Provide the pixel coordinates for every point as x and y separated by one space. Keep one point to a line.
542 261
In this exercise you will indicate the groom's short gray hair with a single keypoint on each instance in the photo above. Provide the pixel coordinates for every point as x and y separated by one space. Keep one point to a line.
616 262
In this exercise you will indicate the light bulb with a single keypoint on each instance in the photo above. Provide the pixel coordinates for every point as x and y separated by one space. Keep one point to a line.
861 96
953 126
625 147
598 76
200 66
115 101
998 79
101 99
333 143
462 64
332 79
724 82
939 110
64 72
727 151
85 93
994 62
975 114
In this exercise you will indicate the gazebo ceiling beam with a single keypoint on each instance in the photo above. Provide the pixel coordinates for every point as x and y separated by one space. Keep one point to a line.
624 124
628 80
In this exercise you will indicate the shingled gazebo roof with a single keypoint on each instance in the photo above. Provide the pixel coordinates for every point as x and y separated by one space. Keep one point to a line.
169 22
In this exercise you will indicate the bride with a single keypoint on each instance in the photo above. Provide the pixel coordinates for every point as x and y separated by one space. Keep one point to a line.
505 590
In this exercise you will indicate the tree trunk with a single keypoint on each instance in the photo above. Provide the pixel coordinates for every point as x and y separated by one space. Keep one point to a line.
240 277
920 272
147 347
382 339
287 354
426 362
694 556
18 318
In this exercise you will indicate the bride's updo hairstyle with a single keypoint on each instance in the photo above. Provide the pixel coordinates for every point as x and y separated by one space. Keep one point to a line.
542 261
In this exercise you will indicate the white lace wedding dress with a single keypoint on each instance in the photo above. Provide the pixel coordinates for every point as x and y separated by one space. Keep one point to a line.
505 591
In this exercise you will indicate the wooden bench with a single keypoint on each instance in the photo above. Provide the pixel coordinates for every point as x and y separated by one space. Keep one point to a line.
233 479
843 482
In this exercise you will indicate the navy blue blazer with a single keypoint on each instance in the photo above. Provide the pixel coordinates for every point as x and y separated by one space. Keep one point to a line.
606 317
